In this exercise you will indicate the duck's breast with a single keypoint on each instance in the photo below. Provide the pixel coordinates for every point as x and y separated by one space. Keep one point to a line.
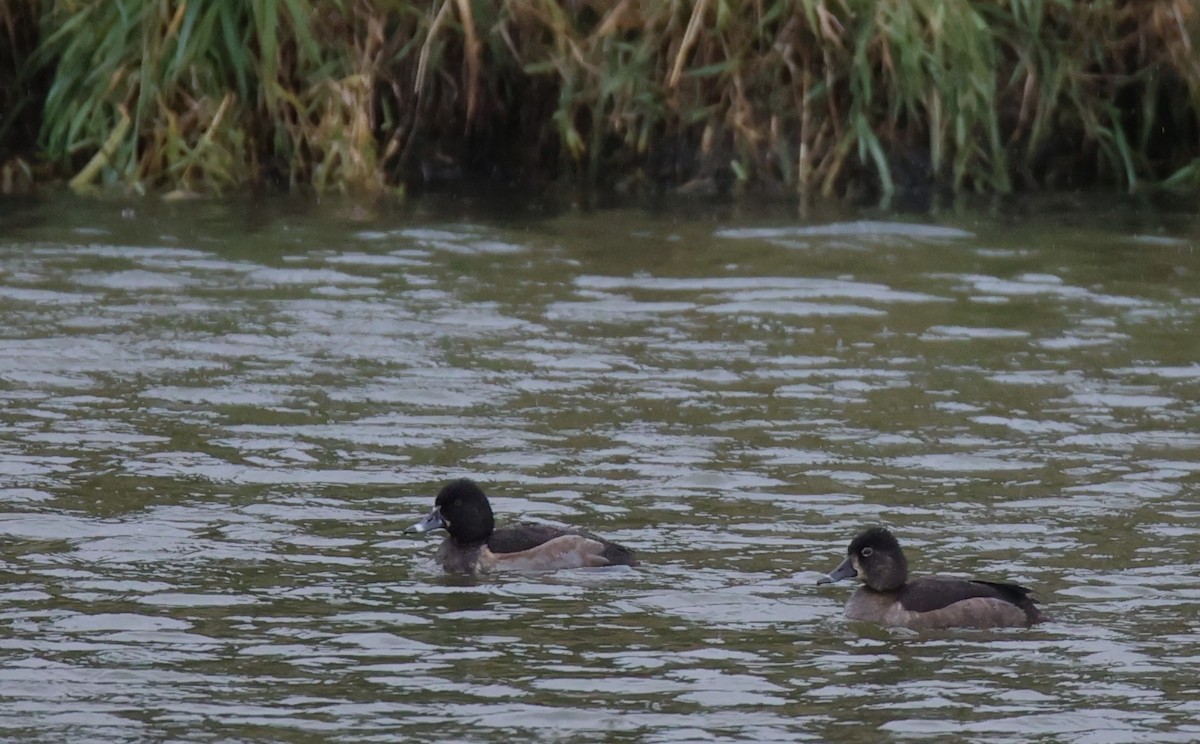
456 558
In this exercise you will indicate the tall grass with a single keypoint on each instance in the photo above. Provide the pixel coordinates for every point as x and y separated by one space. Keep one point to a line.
810 97
200 95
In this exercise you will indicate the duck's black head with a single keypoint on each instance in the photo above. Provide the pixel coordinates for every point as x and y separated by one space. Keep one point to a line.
462 509
875 558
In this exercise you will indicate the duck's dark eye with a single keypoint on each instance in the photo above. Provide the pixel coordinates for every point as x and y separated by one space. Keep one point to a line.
866 552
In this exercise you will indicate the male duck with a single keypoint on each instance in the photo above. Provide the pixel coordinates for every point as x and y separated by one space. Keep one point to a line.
889 598
475 545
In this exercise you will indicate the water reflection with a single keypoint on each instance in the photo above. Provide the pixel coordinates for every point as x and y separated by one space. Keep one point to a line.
215 436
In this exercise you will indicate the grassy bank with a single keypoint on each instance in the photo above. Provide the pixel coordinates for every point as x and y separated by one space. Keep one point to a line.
797 97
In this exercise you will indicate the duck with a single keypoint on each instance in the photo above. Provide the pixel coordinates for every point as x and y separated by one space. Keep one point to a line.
474 544
888 597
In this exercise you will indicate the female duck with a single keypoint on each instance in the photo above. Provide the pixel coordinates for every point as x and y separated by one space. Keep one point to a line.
889 598
475 545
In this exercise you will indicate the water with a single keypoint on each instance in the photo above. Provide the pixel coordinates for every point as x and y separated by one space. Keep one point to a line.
218 419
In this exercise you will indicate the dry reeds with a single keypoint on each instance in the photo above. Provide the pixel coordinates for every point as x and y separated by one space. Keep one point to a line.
811 97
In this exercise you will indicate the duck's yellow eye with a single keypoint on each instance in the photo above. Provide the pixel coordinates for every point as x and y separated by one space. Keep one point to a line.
866 552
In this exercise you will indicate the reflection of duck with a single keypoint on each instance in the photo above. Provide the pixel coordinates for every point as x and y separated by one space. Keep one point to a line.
889 598
475 545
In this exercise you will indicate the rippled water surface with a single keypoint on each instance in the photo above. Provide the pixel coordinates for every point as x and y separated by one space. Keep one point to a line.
218 419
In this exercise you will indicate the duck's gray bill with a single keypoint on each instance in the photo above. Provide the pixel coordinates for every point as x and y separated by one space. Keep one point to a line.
845 570
432 522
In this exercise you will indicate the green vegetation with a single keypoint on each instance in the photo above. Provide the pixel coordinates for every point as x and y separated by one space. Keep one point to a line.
808 97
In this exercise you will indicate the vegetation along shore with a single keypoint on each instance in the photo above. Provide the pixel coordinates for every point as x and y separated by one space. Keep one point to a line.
803 98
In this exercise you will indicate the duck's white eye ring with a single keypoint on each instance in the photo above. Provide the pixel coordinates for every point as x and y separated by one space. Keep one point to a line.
866 552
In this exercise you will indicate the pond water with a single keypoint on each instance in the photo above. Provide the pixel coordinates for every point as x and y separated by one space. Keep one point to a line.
218 418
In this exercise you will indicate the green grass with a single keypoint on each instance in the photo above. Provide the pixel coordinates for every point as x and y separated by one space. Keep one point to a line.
804 97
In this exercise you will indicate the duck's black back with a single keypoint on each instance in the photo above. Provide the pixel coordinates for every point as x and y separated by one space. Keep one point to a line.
528 535
931 593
